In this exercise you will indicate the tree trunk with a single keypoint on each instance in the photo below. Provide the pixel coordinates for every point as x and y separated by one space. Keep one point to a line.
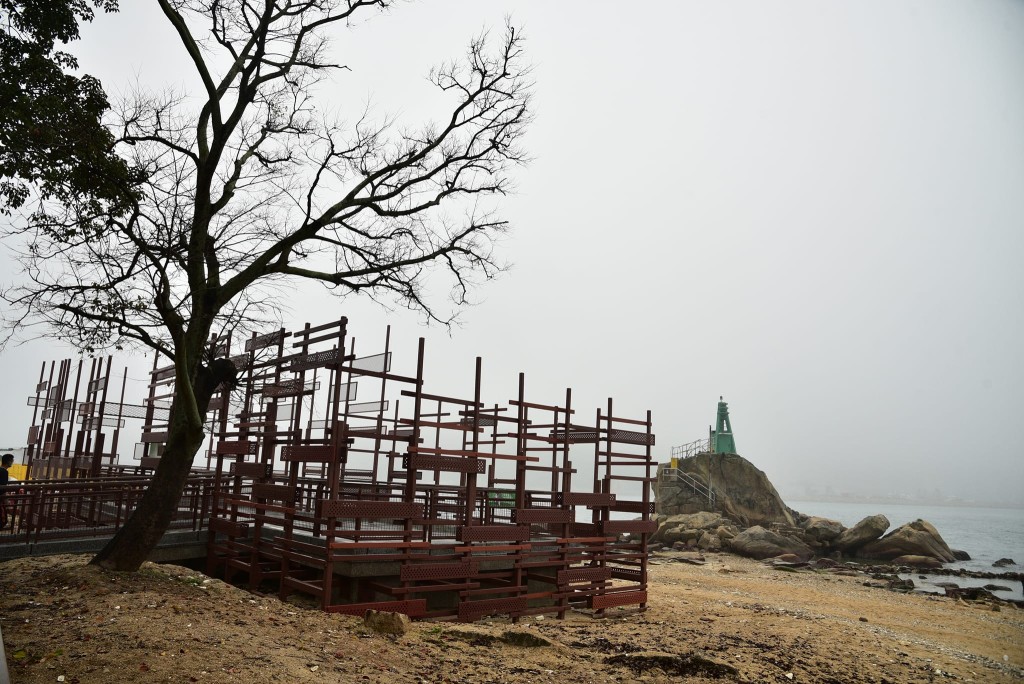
140 534
130 547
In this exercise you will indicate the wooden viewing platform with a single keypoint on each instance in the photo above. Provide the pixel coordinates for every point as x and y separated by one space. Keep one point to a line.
328 474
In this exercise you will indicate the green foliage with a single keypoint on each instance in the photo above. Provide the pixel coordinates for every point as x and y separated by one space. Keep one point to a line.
51 134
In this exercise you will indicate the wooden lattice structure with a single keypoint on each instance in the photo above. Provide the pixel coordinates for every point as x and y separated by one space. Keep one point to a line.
339 477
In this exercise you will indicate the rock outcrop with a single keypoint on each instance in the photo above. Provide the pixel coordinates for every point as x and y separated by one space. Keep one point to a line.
694 530
867 530
917 538
743 513
741 491
757 542
821 530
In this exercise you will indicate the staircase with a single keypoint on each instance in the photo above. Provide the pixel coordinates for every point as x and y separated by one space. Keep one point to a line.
686 480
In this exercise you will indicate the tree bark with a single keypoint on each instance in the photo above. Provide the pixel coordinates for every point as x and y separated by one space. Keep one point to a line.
129 548
140 534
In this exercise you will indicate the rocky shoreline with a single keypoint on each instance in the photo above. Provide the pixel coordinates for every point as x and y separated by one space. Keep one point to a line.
747 517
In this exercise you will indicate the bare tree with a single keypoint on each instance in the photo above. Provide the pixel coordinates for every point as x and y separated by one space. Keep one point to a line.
251 186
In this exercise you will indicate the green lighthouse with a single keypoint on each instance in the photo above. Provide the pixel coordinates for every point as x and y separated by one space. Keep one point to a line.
722 441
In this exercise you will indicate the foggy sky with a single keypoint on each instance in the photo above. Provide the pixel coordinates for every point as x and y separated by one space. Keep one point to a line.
813 209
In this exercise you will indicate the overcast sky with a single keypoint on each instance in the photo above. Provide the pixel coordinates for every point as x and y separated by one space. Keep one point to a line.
814 209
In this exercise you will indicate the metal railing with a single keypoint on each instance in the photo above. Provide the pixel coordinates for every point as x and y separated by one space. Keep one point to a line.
66 509
698 486
689 449
53 510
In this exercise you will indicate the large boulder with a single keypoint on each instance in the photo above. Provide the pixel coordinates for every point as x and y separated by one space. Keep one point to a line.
741 491
867 530
918 538
709 541
822 530
686 526
757 542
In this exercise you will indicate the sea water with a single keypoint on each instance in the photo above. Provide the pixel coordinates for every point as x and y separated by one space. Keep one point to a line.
986 534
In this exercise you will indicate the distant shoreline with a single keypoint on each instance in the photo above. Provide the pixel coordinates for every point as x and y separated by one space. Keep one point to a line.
886 501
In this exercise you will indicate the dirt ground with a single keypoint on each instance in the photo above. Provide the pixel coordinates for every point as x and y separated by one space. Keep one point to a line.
730 620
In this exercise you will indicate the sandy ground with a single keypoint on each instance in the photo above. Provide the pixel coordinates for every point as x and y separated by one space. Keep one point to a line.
730 620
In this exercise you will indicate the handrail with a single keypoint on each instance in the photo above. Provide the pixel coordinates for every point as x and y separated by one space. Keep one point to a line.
62 509
669 473
692 448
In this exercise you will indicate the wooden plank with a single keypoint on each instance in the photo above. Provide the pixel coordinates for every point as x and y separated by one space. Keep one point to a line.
274 492
542 407
317 453
584 575
479 533
236 448
234 529
253 470
588 499
621 598
448 464
542 515
332 508
438 397
435 571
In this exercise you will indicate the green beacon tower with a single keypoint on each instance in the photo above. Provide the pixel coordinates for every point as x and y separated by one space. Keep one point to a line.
722 441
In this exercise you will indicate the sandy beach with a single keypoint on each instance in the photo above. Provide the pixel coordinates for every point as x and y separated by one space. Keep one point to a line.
729 620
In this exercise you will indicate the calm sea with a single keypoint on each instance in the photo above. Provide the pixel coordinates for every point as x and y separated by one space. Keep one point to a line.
987 534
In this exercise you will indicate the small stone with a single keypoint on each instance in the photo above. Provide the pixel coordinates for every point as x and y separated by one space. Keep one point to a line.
789 675
386 623
863 619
